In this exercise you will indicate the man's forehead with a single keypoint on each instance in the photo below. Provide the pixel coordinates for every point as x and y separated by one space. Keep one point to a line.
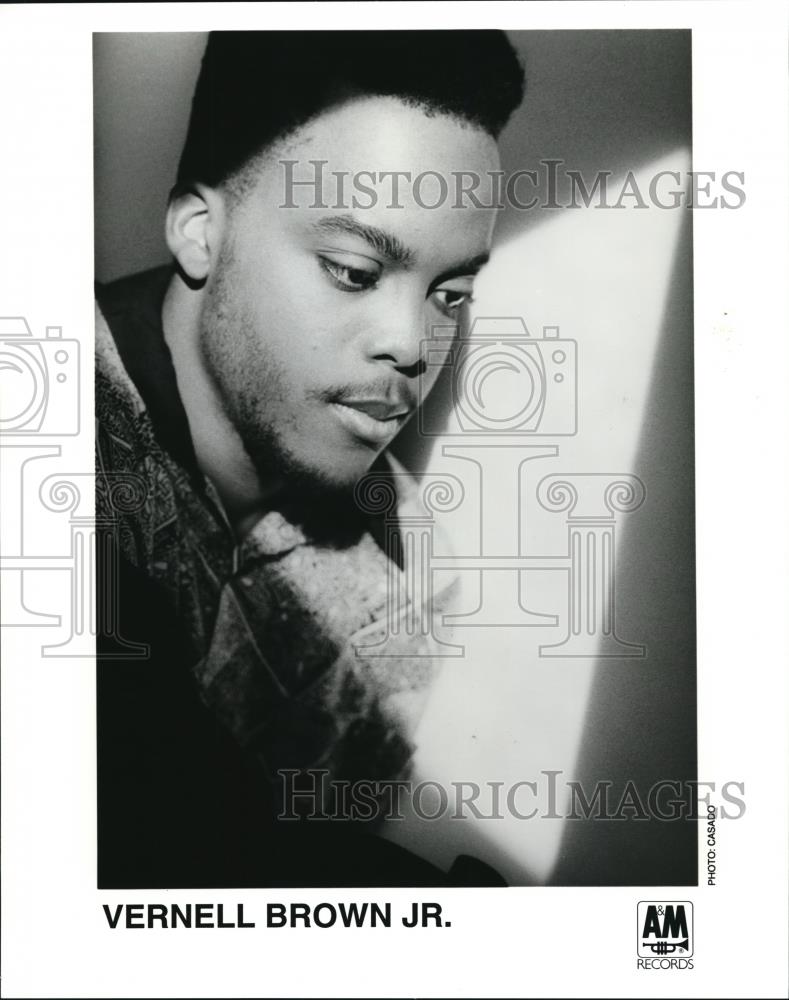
389 134
387 173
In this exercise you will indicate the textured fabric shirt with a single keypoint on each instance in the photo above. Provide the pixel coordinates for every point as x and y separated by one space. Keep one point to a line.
291 644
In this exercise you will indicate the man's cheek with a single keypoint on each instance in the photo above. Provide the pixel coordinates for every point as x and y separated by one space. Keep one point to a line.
430 378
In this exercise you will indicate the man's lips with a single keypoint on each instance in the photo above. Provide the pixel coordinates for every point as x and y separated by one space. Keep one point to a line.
373 420
380 409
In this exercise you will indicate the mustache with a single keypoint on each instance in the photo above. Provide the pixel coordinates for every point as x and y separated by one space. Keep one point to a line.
394 393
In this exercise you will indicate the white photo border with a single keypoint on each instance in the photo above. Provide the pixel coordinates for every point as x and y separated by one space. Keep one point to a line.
523 942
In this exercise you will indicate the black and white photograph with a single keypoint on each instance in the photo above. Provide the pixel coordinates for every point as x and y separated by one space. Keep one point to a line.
385 399
366 645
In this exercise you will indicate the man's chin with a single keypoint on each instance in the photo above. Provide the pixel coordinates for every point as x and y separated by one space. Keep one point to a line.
323 506
319 498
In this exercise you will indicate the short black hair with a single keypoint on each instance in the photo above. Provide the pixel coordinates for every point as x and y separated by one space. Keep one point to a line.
256 87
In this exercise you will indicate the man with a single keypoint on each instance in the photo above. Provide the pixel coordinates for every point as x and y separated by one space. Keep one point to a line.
241 396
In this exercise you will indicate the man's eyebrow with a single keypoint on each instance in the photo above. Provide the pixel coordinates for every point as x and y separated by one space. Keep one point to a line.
470 266
386 244
390 247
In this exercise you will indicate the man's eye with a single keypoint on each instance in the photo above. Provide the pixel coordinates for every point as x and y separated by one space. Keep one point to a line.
349 279
450 301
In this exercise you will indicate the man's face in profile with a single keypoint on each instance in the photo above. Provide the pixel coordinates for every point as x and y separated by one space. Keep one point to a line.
315 318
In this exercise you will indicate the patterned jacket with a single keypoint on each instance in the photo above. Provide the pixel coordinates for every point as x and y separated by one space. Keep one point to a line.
312 654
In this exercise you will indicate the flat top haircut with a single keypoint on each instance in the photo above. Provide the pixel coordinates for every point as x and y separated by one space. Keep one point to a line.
256 87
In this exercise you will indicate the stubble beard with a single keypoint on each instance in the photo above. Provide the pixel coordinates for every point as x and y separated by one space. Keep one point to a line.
243 375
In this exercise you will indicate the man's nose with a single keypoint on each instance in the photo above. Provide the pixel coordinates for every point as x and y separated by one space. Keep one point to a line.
396 337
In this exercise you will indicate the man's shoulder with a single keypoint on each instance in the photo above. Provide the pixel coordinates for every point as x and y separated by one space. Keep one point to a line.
125 308
134 367
121 417
141 292
115 391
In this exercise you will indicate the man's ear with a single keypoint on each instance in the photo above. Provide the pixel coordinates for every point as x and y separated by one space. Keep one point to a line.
193 229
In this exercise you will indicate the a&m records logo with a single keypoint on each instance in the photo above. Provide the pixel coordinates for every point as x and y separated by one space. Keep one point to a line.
665 930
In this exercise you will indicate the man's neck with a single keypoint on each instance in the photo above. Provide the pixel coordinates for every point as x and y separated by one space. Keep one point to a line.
220 453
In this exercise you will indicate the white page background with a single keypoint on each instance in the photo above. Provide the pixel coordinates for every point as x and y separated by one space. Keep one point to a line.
519 942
